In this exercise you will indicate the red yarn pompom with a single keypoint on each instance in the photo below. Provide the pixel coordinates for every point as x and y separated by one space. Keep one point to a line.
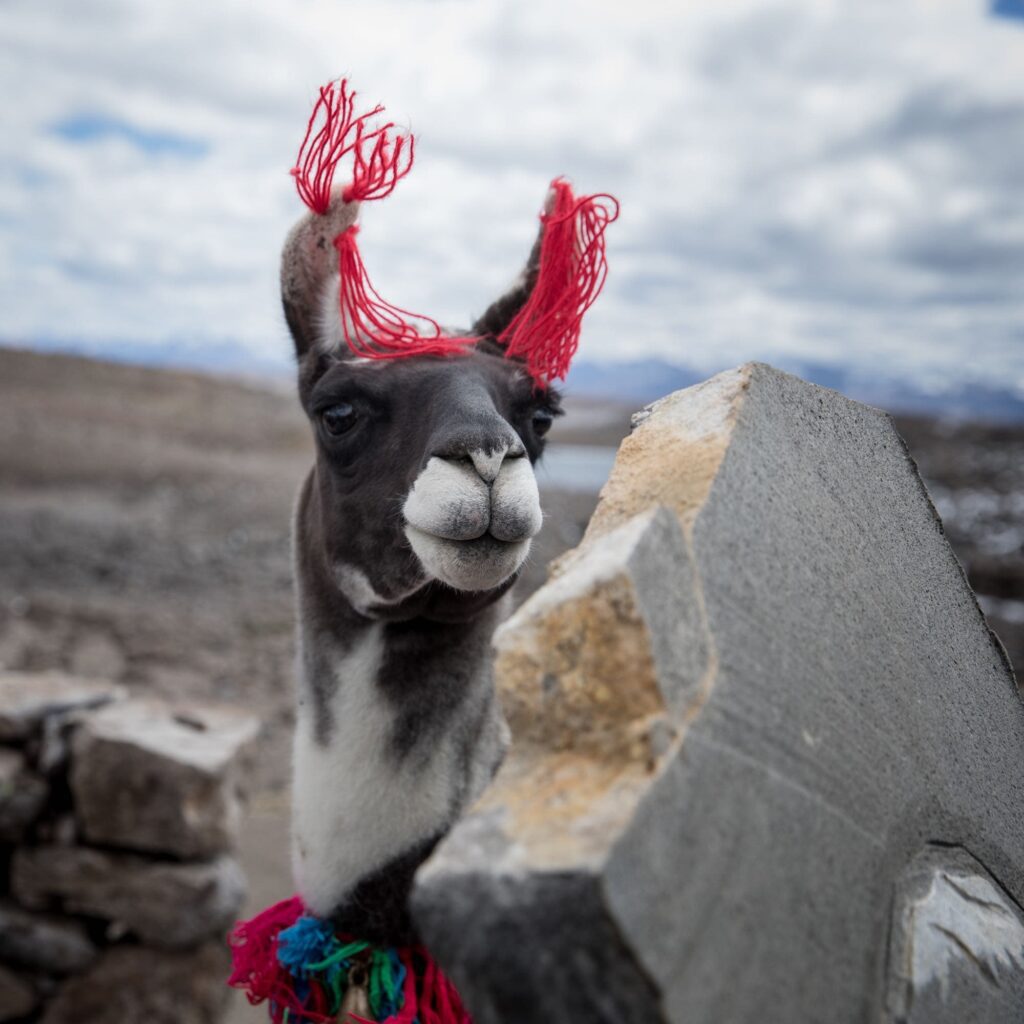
545 333
374 328
381 157
428 997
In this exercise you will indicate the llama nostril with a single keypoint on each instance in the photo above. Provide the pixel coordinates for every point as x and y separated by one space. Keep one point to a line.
488 464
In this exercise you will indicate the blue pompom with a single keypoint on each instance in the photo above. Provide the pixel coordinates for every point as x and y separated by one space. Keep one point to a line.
309 941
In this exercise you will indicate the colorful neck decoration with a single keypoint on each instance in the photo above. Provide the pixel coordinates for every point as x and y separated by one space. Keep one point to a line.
544 334
309 975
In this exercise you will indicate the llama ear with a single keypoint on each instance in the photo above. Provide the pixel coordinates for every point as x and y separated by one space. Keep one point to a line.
350 318
309 276
538 322
502 311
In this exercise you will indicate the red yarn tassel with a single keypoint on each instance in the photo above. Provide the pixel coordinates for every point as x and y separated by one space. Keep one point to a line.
436 1001
374 328
334 131
254 961
573 267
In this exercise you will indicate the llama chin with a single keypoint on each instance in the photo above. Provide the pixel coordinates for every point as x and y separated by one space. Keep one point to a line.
473 565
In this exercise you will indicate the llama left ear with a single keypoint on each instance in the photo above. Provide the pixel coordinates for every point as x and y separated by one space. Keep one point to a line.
322 247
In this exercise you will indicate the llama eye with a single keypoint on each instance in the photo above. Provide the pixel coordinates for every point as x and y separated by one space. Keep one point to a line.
542 420
339 419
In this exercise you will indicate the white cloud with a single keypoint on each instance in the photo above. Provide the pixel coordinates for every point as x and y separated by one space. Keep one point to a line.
801 181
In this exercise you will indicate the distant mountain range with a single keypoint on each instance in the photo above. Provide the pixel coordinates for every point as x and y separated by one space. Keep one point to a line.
647 379
636 381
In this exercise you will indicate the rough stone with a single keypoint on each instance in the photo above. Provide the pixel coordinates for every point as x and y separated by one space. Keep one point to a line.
22 795
58 945
956 950
147 776
134 985
742 709
28 698
17 996
163 903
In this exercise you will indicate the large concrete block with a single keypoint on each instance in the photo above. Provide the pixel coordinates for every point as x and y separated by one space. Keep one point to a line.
743 711
147 776
165 904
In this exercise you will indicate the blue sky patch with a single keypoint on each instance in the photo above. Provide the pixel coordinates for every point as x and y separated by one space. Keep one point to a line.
86 128
1008 8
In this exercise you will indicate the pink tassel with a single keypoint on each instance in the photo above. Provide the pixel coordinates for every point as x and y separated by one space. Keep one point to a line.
255 966
439 1001
374 328
341 132
573 267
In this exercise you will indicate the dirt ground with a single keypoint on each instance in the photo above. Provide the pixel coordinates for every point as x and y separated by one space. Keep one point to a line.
144 538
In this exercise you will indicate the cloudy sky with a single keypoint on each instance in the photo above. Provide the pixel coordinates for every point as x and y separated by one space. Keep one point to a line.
802 181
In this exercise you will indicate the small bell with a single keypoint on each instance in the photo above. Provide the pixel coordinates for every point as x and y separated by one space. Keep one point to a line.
355 1007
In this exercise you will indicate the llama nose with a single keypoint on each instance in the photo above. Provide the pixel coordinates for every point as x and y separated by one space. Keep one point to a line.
488 461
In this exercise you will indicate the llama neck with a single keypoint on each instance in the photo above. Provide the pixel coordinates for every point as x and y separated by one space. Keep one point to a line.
397 730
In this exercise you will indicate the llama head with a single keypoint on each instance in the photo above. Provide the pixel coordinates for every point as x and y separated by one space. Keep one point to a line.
424 464
425 438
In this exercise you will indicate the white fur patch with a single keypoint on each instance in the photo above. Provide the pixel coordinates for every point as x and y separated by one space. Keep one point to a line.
331 334
515 502
354 807
449 500
357 589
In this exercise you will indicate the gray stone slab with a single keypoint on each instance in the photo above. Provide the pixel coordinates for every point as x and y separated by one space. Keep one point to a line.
23 795
27 698
163 903
57 945
855 711
17 996
134 985
148 776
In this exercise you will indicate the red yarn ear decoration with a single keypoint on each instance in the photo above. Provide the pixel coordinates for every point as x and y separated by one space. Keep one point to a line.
375 329
545 333
333 132
372 327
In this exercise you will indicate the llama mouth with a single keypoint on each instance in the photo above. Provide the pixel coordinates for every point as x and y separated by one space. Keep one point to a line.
479 564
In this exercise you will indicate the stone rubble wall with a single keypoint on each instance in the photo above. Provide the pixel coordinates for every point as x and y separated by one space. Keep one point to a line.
118 883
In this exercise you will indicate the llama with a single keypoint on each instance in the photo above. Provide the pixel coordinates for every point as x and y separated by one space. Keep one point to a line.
409 530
